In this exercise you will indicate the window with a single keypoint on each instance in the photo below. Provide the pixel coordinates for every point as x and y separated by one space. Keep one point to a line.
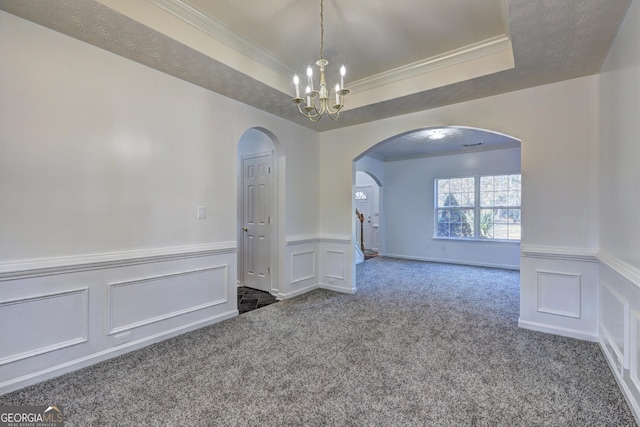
484 208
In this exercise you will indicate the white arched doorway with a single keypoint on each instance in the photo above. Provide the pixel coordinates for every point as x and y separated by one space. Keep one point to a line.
258 231
411 163
367 200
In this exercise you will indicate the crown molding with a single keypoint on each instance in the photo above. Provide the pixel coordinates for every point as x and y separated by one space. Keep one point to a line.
222 33
448 59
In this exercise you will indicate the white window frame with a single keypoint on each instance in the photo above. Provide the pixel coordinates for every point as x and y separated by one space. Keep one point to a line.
477 209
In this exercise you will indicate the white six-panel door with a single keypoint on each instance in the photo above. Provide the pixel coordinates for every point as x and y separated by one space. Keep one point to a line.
256 185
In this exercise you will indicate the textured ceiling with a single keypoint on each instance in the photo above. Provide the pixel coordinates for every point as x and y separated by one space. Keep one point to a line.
441 141
552 40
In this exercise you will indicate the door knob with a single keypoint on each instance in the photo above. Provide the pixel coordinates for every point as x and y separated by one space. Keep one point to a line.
245 229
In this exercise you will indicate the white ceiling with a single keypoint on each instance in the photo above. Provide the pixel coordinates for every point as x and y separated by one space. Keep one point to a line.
440 141
402 56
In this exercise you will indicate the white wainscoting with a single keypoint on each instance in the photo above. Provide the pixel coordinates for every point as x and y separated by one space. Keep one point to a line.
559 291
303 266
62 314
198 289
55 321
559 294
338 264
318 262
620 325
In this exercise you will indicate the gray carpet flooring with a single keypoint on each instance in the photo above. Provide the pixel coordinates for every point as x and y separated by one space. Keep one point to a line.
420 344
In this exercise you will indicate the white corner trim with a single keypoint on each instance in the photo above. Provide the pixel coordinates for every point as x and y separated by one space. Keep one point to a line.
71 264
559 253
625 270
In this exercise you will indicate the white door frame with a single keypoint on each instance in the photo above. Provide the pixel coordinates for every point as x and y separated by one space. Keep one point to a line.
273 228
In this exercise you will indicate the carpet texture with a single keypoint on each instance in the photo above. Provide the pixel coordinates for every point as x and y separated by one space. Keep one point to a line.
419 344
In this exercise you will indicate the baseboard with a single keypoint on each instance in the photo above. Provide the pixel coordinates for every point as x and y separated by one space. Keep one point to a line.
448 261
340 289
622 384
564 332
287 295
74 365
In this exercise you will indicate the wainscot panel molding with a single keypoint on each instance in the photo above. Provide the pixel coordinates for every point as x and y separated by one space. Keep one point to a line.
303 266
61 265
318 261
620 324
163 299
559 291
337 255
614 326
68 313
335 264
55 321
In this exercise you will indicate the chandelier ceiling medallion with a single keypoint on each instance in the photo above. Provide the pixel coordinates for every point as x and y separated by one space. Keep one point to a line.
318 101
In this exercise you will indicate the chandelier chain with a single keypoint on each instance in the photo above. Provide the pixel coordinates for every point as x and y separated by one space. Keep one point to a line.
321 29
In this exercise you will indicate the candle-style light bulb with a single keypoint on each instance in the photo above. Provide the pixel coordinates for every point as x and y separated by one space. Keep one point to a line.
343 71
310 76
296 81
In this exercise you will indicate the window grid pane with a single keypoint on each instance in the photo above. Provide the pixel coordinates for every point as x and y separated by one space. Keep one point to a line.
455 223
456 192
497 217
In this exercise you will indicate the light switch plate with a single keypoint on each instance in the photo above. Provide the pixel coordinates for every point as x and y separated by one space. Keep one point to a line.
202 212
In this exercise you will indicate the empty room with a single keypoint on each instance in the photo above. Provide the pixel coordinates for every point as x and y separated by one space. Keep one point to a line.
441 197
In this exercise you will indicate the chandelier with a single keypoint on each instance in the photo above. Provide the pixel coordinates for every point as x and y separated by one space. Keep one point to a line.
318 101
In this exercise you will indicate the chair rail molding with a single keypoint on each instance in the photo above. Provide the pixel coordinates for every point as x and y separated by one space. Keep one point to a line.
71 264
559 253
628 272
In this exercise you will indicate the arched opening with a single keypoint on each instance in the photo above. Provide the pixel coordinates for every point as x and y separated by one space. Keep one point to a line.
426 216
260 166
367 196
